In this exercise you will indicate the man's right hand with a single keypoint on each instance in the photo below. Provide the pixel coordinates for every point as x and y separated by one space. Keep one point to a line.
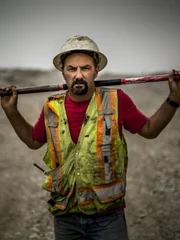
22 128
9 102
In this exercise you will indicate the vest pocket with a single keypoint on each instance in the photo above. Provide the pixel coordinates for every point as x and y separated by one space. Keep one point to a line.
60 188
110 192
59 202
58 182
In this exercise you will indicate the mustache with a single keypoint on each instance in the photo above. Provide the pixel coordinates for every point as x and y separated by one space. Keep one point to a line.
79 81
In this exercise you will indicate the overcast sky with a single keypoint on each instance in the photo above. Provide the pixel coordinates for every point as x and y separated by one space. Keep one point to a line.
137 36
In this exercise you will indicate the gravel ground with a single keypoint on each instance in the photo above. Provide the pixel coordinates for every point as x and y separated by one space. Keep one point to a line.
153 195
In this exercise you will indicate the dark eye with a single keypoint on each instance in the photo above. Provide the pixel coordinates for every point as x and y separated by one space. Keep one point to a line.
71 68
86 68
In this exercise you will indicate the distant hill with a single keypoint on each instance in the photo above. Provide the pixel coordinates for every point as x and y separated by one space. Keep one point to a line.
153 187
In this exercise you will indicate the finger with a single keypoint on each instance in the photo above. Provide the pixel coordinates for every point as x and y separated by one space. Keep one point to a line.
6 88
171 75
13 88
172 83
10 90
14 91
176 72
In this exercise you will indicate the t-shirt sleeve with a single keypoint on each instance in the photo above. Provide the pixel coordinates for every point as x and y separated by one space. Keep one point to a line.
39 131
131 118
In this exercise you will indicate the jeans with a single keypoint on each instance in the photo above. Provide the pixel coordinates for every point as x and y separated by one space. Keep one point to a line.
111 226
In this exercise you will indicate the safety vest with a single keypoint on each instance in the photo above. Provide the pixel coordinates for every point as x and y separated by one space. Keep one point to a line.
89 176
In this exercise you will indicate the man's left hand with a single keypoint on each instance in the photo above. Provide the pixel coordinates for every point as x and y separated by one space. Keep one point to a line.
174 86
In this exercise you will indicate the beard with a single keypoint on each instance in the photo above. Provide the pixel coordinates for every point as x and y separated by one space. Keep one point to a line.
79 87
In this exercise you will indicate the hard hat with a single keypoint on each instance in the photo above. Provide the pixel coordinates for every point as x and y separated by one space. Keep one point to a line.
81 43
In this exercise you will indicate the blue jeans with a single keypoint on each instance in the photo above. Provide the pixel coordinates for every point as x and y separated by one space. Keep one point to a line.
111 226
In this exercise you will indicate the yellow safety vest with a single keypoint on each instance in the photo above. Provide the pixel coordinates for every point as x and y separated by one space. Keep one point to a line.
89 176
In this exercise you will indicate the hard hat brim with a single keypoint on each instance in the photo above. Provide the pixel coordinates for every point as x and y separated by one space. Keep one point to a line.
58 63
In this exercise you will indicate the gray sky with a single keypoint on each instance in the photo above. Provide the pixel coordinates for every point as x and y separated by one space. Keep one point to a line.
137 36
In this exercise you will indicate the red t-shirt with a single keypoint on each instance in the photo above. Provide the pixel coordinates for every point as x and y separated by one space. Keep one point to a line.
129 117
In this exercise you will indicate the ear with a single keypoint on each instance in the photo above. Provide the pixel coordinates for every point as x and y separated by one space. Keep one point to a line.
96 72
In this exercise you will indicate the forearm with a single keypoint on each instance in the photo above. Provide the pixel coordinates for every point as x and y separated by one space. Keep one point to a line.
158 121
161 118
23 129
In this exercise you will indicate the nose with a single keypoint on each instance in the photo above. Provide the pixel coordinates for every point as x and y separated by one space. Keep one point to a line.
78 74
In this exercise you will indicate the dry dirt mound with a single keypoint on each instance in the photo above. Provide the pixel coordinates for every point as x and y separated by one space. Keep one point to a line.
153 195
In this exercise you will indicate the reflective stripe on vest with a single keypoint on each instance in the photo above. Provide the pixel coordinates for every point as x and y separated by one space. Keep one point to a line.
106 112
52 124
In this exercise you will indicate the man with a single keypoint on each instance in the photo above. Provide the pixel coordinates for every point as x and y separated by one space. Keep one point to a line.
86 149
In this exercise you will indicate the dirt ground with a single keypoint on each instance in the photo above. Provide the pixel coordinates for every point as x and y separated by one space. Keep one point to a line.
153 186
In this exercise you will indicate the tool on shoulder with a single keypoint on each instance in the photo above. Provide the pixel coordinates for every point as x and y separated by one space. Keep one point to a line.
98 83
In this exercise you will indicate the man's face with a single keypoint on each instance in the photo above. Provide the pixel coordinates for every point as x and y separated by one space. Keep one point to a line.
79 73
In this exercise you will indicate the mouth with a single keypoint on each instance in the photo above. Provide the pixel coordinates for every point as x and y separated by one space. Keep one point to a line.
79 86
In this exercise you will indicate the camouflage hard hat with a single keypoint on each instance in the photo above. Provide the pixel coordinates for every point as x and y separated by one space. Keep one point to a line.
81 43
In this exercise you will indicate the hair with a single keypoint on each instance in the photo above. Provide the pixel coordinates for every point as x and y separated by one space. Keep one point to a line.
92 54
